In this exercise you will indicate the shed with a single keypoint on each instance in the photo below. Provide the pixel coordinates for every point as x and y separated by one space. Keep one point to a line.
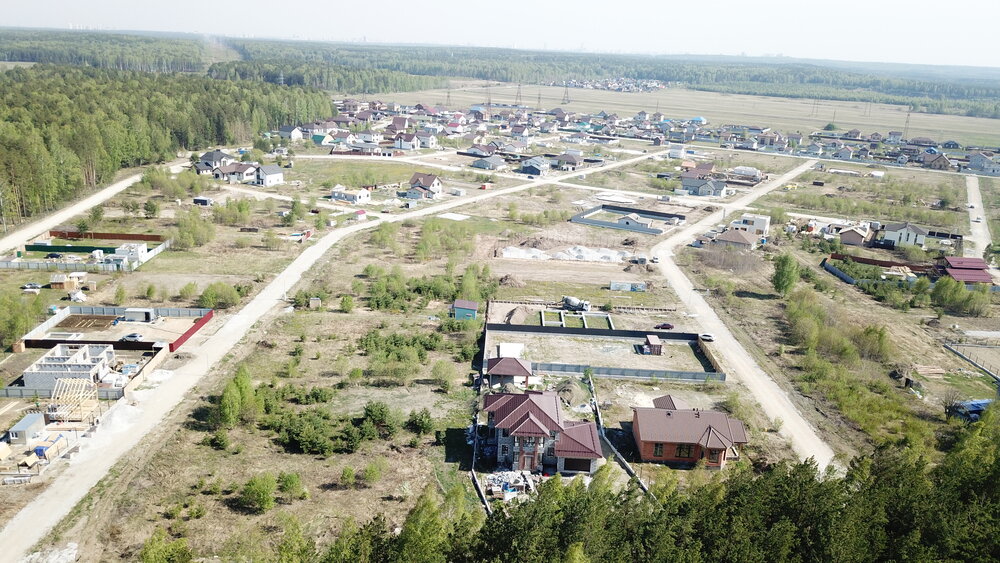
27 429
62 281
463 309
653 345
141 315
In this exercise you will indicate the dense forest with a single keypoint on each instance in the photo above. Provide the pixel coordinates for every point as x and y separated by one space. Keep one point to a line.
974 98
890 505
66 129
324 75
105 50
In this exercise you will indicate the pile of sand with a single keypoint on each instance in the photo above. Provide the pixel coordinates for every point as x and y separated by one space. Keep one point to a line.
517 315
510 281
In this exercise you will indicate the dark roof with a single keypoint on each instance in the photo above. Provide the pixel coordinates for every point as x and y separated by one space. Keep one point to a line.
894 227
970 276
738 237
216 155
465 304
536 413
966 263
422 180
512 367
671 403
710 429
579 440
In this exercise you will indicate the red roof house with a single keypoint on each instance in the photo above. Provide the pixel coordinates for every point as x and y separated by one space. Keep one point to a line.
530 433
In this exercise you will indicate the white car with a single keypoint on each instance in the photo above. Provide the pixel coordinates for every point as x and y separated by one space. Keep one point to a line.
706 337
978 219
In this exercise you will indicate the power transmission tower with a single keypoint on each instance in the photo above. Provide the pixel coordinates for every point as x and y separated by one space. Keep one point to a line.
539 98
517 99
906 126
447 99
815 109
281 78
489 104
565 99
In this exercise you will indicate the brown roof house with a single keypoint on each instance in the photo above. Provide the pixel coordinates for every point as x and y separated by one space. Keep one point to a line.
737 239
673 433
531 434
510 370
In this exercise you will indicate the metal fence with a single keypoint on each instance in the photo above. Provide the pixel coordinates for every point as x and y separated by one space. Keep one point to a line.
596 332
628 373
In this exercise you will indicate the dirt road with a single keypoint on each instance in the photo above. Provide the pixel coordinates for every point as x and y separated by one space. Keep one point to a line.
742 367
976 243
25 233
111 443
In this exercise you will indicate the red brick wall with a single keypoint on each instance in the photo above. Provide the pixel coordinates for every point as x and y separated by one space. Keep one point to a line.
646 450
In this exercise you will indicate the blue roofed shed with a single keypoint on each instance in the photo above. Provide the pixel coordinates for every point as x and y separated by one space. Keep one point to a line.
463 309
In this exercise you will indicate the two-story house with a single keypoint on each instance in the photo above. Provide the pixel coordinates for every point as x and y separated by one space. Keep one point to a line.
531 433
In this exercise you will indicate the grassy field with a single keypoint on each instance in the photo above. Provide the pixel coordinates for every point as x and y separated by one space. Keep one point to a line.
785 114
926 198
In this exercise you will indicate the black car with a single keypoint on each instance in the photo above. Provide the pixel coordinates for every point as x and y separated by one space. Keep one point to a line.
32 286
54 255
664 326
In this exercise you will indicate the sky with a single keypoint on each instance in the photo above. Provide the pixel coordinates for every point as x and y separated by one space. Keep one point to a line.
912 31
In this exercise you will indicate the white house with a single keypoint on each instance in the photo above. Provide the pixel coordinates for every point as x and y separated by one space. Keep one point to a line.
290 132
357 197
984 163
215 159
754 224
427 140
406 142
429 182
633 220
905 234
133 251
70 361
270 175
369 136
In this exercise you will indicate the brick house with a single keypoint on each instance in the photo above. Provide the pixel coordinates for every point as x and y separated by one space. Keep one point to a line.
531 434
673 433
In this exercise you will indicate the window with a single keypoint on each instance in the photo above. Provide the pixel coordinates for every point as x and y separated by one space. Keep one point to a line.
684 450
551 451
657 450
713 456
504 450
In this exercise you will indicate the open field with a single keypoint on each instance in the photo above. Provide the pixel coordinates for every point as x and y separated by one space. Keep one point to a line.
785 114
926 198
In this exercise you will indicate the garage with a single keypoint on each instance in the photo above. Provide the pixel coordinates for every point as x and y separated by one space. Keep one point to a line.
576 464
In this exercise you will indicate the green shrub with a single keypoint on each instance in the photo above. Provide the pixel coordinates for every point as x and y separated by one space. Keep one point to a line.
257 495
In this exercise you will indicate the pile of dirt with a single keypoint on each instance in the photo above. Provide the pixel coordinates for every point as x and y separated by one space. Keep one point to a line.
510 281
517 315
532 243
571 392
630 242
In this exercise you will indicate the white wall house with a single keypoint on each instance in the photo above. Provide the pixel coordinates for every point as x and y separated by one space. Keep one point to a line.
357 197
905 234
753 224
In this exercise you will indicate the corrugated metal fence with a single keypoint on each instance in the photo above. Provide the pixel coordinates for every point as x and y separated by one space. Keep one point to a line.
627 373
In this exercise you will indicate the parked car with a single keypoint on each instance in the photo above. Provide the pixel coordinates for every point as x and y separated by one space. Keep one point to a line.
978 219
54 255
32 285
706 337
134 337
664 326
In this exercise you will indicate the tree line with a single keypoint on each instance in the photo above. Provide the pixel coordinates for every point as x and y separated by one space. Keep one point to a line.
105 50
64 130
327 76
974 98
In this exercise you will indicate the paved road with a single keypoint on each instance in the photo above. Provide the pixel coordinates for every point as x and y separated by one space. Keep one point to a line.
773 400
99 454
25 233
976 243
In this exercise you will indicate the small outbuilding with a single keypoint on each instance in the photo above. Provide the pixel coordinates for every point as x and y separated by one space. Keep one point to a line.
140 315
653 345
27 429
463 309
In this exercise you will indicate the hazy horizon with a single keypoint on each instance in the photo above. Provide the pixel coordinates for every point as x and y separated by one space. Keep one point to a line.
857 31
